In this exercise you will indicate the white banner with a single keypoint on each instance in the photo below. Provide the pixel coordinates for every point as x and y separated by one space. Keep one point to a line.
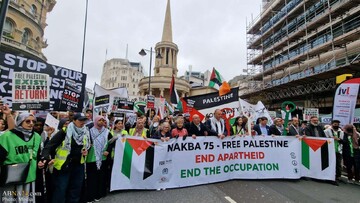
345 101
253 112
151 164
104 99
30 91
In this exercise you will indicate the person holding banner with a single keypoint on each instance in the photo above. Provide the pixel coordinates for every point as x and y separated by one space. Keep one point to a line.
179 131
262 128
216 125
163 133
277 128
314 129
238 128
196 128
118 129
295 128
96 160
252 130
116 132
70 147
139 129
19 149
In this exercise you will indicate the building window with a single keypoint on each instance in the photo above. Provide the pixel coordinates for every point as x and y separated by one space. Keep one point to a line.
33 10
133 85
26 36
8 28
123 78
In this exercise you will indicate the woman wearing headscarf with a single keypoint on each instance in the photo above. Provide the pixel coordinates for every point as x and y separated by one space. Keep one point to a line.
64 122
20 145
69 147
96 165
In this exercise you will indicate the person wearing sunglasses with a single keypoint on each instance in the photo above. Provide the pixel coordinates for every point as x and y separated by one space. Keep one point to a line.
20 145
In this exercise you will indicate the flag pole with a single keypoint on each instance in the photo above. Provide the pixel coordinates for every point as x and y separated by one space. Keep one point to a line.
84 38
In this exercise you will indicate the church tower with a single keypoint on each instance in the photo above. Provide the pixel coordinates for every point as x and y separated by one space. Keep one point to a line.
167 66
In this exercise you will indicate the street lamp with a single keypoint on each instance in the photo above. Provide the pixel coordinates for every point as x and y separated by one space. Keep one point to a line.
158 56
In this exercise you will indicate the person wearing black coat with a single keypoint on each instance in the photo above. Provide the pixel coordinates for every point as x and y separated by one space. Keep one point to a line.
277 128
196 128
314 129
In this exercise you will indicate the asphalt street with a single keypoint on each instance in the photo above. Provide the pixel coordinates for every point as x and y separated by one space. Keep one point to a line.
246 191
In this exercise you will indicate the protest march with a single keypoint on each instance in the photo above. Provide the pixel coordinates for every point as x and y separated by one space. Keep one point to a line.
56 145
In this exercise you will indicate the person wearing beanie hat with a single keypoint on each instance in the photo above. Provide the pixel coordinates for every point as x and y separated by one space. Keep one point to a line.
21 145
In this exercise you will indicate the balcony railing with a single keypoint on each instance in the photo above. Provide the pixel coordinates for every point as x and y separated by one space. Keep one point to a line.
23 47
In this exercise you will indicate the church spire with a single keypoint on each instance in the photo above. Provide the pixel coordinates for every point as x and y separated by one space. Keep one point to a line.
167 66
167 31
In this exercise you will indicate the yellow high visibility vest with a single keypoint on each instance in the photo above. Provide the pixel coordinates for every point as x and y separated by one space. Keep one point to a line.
133 130
62 153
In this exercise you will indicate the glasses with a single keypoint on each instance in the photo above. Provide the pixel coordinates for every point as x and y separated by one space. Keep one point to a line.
29 121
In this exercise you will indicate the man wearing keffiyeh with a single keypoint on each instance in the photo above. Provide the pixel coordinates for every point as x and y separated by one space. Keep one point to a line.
96 160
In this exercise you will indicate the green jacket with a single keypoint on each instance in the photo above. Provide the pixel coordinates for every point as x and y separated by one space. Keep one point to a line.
20 151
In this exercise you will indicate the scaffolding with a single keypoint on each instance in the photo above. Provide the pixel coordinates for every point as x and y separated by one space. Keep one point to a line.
301 46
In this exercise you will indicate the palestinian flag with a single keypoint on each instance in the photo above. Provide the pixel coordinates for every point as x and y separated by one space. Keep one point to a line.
315 144
219 83
174 97
168 108
142 161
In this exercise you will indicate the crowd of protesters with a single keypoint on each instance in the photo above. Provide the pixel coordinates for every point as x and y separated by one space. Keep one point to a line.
73 162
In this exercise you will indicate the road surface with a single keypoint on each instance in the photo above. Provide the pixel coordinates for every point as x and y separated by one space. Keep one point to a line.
246 191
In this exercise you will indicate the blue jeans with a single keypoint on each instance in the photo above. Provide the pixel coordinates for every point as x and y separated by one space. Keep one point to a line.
68 184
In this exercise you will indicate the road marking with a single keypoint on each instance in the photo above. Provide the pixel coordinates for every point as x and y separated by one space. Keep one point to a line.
229 199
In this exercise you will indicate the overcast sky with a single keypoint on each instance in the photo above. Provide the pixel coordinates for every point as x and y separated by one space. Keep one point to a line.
209 33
